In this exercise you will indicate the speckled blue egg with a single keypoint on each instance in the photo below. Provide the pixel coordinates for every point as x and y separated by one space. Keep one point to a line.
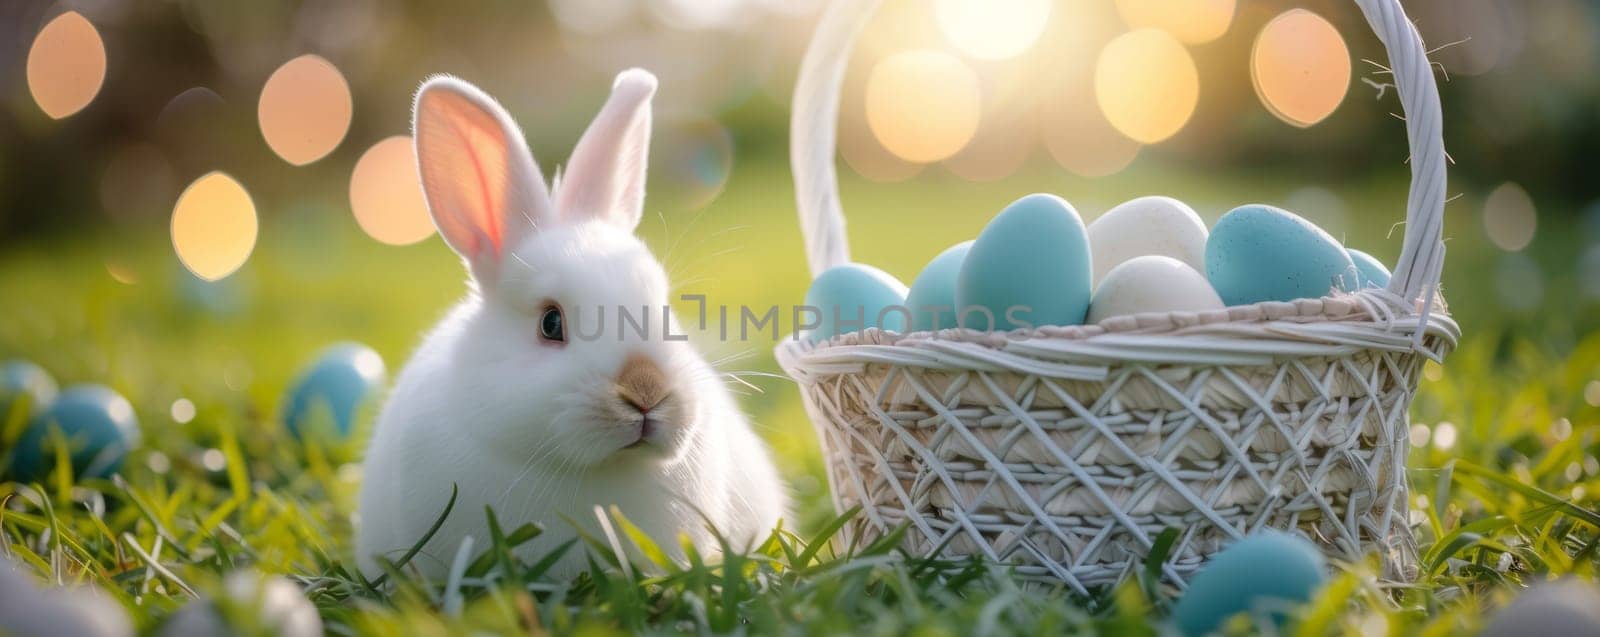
933 294
1260 253
329 394
1369 270
96 423
25 387
1266 573
853 297
1031 260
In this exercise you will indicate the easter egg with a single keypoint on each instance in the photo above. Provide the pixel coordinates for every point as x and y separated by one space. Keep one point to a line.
1152 283
29 611
97 424
1563 607
1267 573
26 387
1260 253
933 294
1369 270
1147 225
263 605
853 297
330 393
1030 266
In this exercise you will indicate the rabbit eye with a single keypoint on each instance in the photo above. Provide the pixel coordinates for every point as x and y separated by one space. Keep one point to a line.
552 326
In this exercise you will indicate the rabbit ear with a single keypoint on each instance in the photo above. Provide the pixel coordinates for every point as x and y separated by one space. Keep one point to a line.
482 186
605 178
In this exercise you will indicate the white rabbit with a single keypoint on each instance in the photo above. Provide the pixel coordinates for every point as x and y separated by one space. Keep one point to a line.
513 398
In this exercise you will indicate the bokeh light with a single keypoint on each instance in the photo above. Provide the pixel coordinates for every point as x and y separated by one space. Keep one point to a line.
1509 217
386 193
922 105
1444 435
305 109
182 411
66 65
1146 85
1300 67
992 29
1190 21
214 226
693 158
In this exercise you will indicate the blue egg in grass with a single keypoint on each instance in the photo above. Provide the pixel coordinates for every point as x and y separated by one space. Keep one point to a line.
25 388
853 297
1030 266
1260 253
1267 574
330 393
1370 272
97 425
932 298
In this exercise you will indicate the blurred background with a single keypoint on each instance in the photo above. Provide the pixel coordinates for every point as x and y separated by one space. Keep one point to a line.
196 196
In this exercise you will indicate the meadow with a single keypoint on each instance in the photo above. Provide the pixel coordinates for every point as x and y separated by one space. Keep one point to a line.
1503 465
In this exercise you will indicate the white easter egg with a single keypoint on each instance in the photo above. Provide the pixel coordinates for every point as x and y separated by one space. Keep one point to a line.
1147 225
1152 283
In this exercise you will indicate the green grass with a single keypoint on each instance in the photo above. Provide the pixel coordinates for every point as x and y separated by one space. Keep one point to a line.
1509 502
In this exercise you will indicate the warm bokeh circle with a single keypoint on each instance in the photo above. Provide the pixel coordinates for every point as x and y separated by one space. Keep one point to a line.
214 226
66 65
386 194
305 109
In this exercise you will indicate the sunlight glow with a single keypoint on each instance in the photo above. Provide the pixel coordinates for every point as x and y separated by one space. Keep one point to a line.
1300 67
1146 84
1190 21
305 109
214 226
992 29
922 105
66 65
386 193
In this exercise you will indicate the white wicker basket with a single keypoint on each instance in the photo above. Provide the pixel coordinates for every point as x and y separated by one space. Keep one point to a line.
1065 451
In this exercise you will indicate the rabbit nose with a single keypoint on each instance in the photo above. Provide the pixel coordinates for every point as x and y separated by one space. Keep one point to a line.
642 383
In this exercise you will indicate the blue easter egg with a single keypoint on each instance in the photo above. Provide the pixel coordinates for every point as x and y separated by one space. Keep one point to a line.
1030 266
933 294
332 391
1369 270
25 387
853 297
97 424
1260 253
1267 573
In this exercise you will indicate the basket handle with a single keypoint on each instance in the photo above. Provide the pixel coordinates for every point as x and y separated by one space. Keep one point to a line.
813 136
